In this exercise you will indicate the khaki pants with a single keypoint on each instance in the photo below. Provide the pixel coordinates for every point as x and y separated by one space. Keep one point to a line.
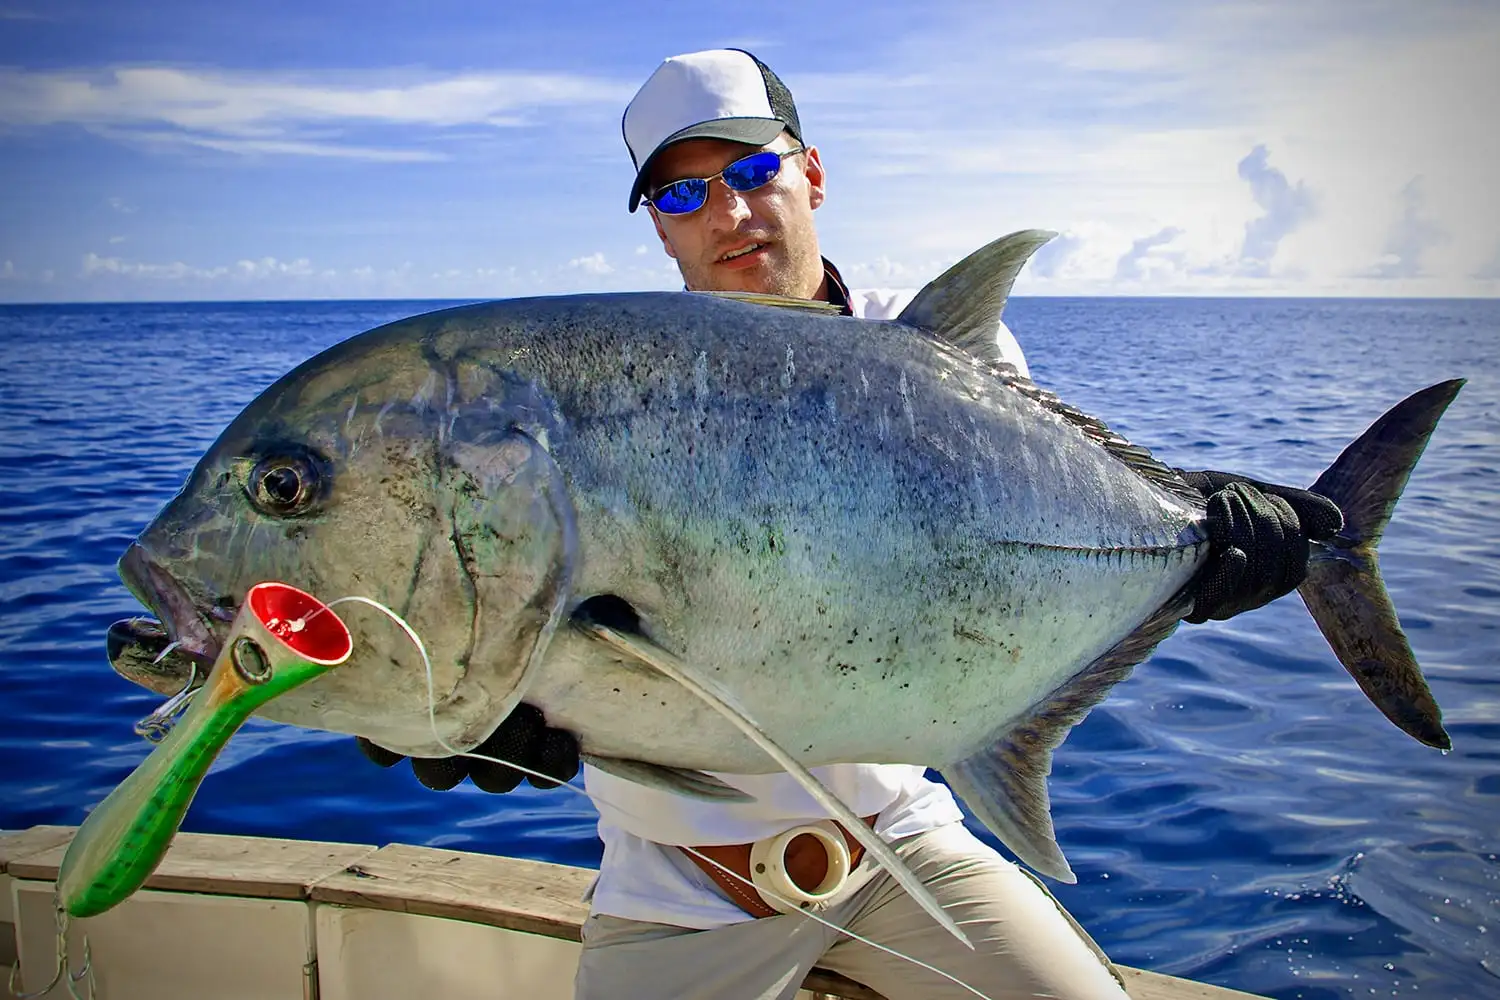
1025 944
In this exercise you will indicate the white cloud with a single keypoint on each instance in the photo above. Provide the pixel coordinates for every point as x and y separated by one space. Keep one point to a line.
269 114
1411 236
1241 148
1049 260
1114 139
1143 260
268 266
885 272
122 206
93 264
113 277
594 263
1285 207
289 147
116 239
251 104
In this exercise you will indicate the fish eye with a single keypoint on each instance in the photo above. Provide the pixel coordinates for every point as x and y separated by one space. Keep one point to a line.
285 485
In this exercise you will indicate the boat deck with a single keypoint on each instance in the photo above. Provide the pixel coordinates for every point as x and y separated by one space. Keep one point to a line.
253 917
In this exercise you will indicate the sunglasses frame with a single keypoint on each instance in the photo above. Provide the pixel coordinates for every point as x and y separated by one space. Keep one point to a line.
781 156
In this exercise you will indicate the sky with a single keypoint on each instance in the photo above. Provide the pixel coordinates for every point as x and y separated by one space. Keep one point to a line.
177 150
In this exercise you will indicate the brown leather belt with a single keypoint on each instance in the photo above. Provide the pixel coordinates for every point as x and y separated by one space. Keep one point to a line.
806 864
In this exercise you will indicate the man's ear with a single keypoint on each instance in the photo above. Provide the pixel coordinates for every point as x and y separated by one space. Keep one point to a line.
816 179
666 244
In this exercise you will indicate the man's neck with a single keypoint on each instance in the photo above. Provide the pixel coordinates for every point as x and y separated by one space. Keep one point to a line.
821 294
833 289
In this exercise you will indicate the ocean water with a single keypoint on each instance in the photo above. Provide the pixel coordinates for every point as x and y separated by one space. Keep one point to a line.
1236 811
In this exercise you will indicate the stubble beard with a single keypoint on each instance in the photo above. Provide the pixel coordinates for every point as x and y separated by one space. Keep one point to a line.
793 270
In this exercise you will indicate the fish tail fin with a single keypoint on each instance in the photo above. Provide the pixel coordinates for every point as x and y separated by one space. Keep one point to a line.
1344 590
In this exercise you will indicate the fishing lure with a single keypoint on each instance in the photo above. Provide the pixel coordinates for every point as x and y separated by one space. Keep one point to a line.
281 639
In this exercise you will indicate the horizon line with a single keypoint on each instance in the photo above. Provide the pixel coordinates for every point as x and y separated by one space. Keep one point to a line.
475 300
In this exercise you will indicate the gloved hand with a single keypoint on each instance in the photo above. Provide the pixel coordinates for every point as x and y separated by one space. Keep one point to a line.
1258 534
524 737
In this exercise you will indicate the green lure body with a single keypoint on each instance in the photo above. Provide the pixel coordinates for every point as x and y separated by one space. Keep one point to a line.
126 836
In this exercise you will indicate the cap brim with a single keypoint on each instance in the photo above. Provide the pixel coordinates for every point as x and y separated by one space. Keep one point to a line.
751 131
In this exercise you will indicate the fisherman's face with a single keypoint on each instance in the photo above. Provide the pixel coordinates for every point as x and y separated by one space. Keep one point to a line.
774 220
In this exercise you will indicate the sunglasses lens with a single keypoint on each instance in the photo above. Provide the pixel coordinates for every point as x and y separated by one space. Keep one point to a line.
755 170
681 197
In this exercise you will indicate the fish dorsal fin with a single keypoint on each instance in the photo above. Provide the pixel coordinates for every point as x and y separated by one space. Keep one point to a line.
640 648
780 301
963 304
1005 785
962 308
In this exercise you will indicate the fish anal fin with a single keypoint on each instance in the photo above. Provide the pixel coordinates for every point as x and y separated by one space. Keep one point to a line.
677 780
1005 785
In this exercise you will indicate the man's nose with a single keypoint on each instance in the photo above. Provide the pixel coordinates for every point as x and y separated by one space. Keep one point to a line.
726 207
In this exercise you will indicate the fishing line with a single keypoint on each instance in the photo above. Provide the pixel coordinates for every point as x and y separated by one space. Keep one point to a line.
432 721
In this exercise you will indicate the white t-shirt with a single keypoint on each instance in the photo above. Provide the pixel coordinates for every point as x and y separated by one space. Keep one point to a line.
641 879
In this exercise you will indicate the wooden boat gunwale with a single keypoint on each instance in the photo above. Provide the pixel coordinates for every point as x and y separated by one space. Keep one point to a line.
393 895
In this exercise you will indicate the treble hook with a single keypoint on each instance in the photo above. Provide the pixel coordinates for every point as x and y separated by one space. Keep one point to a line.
84 973
155 726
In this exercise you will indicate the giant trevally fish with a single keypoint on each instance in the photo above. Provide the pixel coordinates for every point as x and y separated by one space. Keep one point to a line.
715 535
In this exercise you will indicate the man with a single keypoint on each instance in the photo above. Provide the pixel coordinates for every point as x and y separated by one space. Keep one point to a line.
731 187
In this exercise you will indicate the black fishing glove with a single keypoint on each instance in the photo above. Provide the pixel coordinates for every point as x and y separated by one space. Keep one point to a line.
1258 534
524 737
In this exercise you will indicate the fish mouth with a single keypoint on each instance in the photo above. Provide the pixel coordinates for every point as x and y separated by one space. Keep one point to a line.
165 653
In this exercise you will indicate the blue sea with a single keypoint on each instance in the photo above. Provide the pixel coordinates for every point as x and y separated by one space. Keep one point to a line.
1236 812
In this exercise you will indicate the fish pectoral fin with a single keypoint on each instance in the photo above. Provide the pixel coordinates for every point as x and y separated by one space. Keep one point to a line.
677 780
649 653
779 301
1005 785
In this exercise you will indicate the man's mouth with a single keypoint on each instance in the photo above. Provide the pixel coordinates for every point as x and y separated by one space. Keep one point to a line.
743 251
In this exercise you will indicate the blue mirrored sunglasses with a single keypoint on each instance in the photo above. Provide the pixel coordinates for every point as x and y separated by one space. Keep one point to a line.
746 174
